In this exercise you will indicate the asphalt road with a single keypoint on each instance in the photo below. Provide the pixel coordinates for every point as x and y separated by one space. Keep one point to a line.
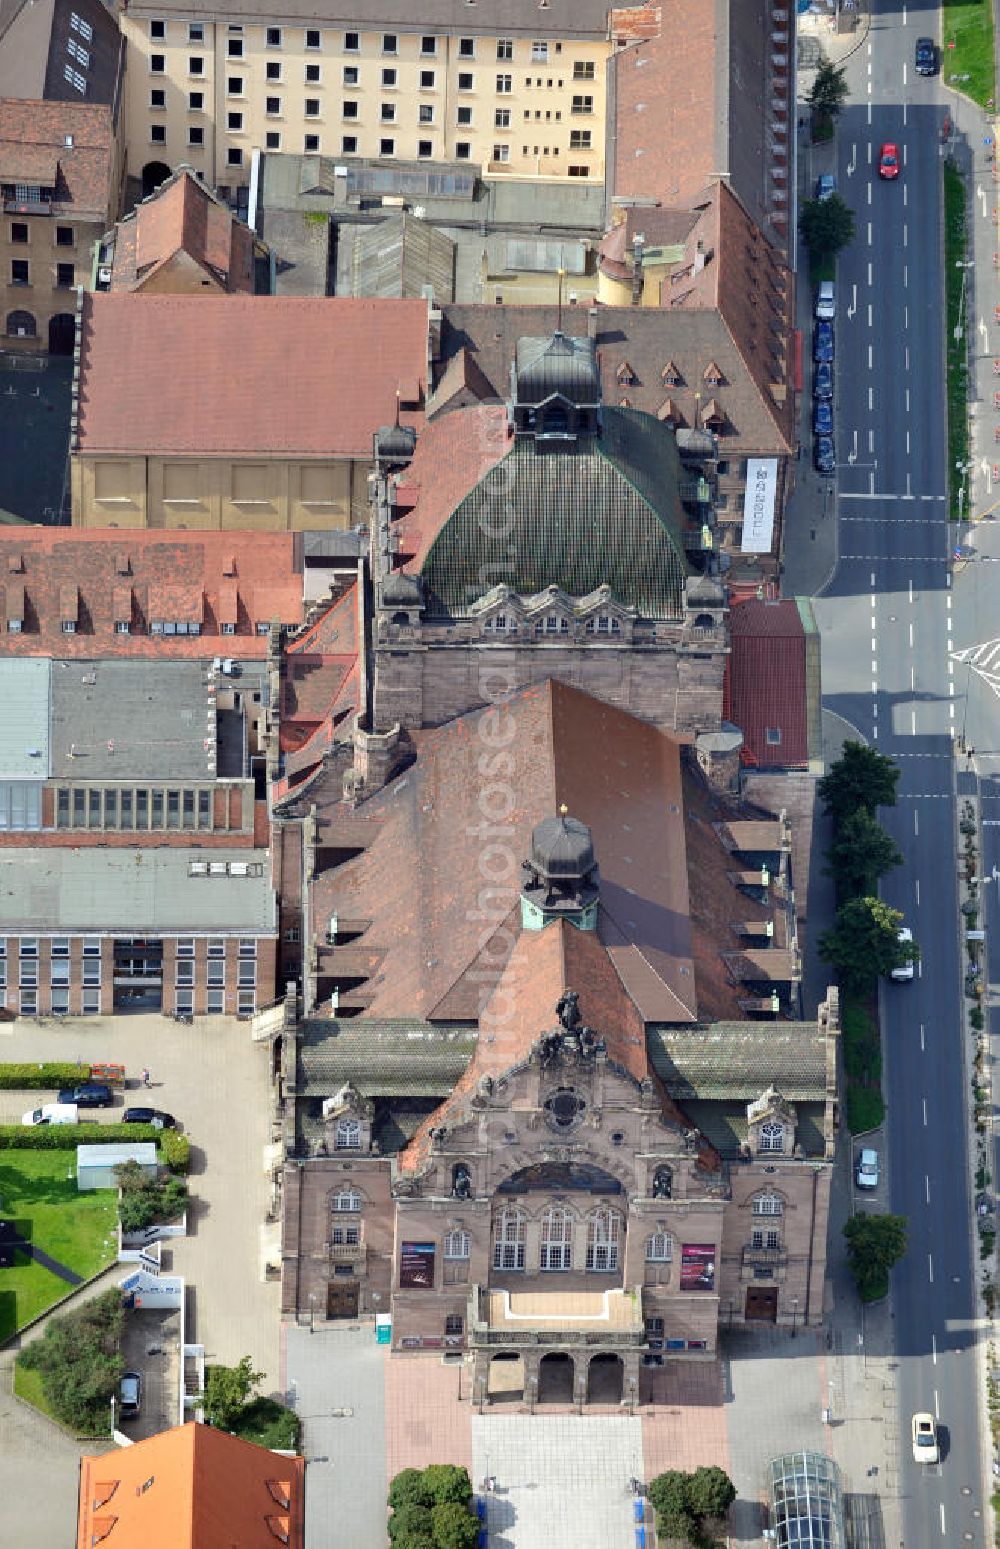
887 622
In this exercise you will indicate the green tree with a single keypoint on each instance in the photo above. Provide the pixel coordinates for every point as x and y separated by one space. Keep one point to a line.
454 1526
874 1244
145 1200
448 1482
859 778
861 852
410 1488
411 1524
228 1390
711 1492
79 1361
864 943
826 225
829 90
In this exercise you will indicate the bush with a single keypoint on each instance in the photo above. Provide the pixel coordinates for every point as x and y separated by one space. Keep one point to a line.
269 1424
865 1109
146 1200
37 1074
976 1019
229 1391
684 1503
454 1526
79 1361
430 1509
175 1149
412 1524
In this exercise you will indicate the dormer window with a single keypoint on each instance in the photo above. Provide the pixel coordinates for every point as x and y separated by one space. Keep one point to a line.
348 1135
625 376
713 376
772 1137
670 376
552 624
604 624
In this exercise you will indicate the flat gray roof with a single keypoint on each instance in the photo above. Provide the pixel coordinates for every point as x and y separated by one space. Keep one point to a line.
132 720
517 18
113 1155
137 892
24 721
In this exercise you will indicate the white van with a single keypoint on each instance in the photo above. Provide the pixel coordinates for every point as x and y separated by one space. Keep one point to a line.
826 304
905 970
51 1113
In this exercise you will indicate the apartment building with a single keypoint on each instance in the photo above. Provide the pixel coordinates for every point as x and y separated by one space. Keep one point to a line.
525 102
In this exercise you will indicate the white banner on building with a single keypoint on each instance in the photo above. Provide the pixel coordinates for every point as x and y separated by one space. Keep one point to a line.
758 505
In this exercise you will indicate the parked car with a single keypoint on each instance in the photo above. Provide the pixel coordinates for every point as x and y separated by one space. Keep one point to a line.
866 1172
826 302
905 970
154 1116
823 380
822 417
131 1395
824 454
925 58
925 1440
823 341
89 1094
51 1113
888 161
826 185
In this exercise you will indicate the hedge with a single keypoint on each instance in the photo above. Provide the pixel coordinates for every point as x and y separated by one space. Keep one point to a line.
174 1148
36 1074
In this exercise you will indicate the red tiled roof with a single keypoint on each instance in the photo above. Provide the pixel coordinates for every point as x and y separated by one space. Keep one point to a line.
320 682
33 149
766 682
170 576
192 1487
259 376
452 455
183 216
666 108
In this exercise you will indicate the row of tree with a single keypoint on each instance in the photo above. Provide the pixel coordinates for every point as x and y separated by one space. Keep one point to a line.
864 939
826 225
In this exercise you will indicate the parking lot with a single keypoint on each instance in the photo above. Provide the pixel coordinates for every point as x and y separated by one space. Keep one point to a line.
215 1081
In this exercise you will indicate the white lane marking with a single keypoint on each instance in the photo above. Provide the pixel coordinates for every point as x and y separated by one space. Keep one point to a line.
943 1534
924 1104
869 193
927 1189
918 892
916 831
869 233
937 1406
930 1267
869 357
934 1348
869 83
907 400
906 275
869 153
905 234
904 115
871 398
905 193
923 1043
869 271
906 367
869 314
907 443
871 441
869 115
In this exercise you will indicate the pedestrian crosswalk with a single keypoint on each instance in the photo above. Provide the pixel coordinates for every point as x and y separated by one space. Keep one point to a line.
983 660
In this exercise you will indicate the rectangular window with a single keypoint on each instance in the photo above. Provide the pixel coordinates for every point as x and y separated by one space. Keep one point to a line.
158 30
64 236
60 946
19 231
196 65
274 37
59 971
157 809
312 107
350 110
505 48
94 809
184 1002
390 43
583 104
246 1003
204 809
110 807
234 156
92 972
505 85
29 1003
350 75
126 809
157 98
158 134
248 947
234 122
187 809
349 145
79 809
235 85
157 64
388 113
91 946
29 972
463 150
311 146
428 45
466 48
247 974
578 171
196 32
501 153
19 273
466 81
29 946
352 42
234 48
185 946
427 79
215 1003
425 148
389 77
579 139
185 972
173 809
454 1323
142 809
60 1000
501 118
196 135
425 113
217 974
62 808
274 70
583 70
273 106
216 946
539 53
313 38
91 1002
387 147
313 74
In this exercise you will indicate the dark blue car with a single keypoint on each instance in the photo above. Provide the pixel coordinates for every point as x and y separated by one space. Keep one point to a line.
823 417
823 380
823 342
89 1094
824 455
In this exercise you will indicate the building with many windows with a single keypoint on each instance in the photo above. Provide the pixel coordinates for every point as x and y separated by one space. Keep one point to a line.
368 82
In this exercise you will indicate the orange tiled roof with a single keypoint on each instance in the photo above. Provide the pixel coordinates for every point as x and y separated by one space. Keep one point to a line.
33 149
192 1487
260 376
183 216
137 575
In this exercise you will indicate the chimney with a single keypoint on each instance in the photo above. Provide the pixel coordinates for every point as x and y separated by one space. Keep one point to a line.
638 243
592 324
699 255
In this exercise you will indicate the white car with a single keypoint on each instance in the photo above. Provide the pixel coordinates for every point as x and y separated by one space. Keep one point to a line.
905 970
51 1113
826 305
866 1172
925 1440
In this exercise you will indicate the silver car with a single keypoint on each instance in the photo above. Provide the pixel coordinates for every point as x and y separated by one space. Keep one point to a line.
866 1172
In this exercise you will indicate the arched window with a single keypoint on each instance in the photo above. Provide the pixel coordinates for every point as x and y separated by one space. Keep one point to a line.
21 325
768 1209
557 1238
346 1233
659 1248
772 1137
456 1245
768 1205
346 1201
508 1239
347 1135
603 1233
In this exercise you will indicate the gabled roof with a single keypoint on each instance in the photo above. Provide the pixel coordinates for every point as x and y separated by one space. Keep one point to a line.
600 511
771 686
340 364
183 218
192 1487
34 149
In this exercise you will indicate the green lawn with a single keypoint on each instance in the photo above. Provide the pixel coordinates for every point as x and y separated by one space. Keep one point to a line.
956 350
38 1191
969 25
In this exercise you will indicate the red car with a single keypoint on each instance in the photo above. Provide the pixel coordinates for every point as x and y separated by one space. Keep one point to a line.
888 161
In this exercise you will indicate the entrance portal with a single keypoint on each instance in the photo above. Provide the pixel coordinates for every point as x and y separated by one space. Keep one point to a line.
62 333
505 1383
555 1379
342 1299
153 174
762 1304
605 1379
